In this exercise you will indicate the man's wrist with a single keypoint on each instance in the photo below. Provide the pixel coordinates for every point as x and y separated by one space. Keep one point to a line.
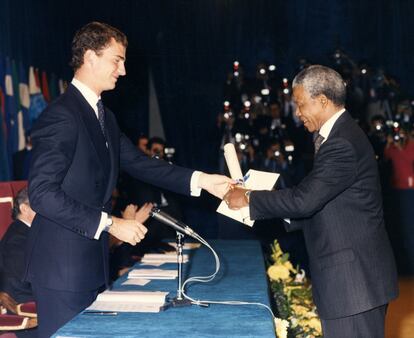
247 196
108 224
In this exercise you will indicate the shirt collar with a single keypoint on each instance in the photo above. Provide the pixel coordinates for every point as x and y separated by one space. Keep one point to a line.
328 125
87 93
28 224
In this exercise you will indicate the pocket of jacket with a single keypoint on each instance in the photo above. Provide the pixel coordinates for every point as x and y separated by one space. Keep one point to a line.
336 258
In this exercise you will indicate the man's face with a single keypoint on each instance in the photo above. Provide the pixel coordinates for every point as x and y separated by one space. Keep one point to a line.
157 150
308 110
142 144
26 213
108 65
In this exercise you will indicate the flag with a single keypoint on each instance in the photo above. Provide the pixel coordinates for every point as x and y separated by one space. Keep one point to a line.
24 97
11 110
53 87
45 87
37 102
4 158
62 86
21 139
3 97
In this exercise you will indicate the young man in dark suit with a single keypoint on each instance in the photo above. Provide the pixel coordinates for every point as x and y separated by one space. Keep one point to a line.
77 152
339 208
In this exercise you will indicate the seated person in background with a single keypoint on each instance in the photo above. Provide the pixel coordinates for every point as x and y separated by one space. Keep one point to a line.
12 250
121 256
140 193
142 143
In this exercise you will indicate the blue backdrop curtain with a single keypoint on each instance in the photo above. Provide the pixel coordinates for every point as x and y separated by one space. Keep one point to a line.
190 44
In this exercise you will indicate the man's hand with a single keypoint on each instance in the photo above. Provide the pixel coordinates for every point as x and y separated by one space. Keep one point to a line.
127 230
236 198
143 213
130 211
217 185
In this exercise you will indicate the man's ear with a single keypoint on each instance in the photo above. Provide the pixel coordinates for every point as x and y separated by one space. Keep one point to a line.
323 100
89 57
23 208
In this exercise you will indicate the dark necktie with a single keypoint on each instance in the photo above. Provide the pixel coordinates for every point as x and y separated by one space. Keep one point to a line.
318 139
101 116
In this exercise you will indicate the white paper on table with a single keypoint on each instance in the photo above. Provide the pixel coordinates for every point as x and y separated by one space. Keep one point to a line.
170 257
152 274
256 180
136 281
156 264
129 301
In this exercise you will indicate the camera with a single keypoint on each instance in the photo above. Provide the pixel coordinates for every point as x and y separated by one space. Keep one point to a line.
169 153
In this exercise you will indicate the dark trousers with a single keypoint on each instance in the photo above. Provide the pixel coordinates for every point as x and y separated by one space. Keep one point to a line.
369 324
55 307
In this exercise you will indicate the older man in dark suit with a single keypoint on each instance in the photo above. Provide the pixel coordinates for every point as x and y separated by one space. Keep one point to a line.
339 208
77 151
12 250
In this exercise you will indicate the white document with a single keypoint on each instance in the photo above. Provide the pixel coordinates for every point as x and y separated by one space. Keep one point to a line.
136 281
129 301
254 180
170 257
152 274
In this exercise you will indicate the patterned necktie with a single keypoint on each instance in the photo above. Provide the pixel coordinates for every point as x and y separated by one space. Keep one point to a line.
101 115
317 140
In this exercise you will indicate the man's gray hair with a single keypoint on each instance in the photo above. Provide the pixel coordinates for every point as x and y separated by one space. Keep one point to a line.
22 197
317 80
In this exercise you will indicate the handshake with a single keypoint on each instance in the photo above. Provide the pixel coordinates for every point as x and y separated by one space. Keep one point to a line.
237 197
130 228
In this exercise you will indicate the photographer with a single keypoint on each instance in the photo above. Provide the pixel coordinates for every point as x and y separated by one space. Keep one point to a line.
141 193
399 150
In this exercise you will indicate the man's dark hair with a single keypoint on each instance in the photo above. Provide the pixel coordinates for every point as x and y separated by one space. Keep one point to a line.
140 137
154 140
317 80
95 36
22 197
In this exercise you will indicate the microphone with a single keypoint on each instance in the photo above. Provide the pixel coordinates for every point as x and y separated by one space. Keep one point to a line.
172 222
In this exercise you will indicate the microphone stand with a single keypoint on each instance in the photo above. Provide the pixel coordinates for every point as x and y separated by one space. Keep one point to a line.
179 300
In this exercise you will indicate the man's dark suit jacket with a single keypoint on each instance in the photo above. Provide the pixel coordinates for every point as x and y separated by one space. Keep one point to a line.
71 179
339 208
12 266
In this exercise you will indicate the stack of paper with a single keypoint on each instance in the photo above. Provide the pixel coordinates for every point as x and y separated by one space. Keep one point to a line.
159 259
129 301
153 274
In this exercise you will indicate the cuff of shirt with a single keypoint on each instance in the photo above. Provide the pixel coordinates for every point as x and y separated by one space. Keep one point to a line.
194 189
102 224
245 212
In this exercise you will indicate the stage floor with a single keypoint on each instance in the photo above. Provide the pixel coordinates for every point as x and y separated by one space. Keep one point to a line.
400 317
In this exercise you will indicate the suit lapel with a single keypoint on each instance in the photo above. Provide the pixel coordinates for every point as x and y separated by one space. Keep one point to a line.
92 126
112 144
344 118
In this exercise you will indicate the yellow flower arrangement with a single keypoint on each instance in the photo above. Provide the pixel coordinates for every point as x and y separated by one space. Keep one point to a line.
293 298
278 272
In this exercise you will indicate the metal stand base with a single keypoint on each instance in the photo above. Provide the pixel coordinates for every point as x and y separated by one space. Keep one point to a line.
175 302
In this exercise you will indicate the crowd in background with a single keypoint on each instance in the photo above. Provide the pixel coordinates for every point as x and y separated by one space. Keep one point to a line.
258 116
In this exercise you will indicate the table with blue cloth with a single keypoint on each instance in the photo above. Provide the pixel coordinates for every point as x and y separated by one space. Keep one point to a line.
242 277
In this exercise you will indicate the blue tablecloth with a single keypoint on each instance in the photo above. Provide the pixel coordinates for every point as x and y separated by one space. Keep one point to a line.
242 277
